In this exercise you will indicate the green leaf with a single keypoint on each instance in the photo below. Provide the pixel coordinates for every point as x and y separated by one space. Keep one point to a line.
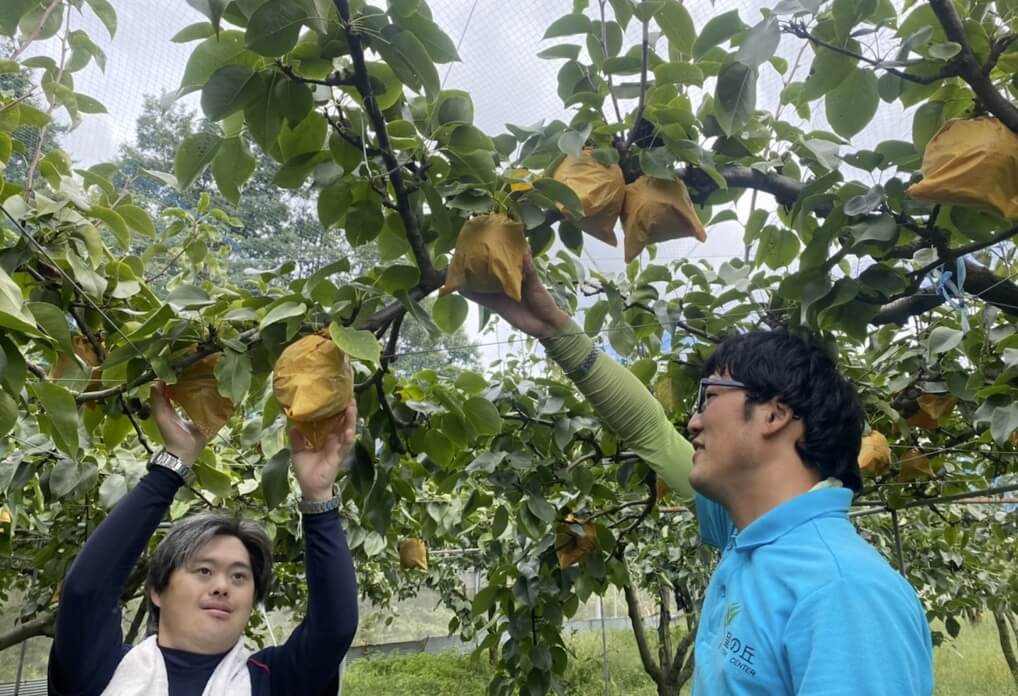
436 42
928 119
865 203
735 98
59 406
499 522
777 247
229 90
623 65
13 313
829 70
195 153
333 202
115 223
8 413
112 490
233 373
213 9
945 51
414 66
281 312
571 142
398 277
188 297
853 104
361 345
560 193
677 26
449 313
943 339
483 416
63 477
658 162
210 55
106 14
89 105
232 167
849 13
274 28
137 219
454 106
679 74
276 479
718 30
53 322
566 51
760 43
193 32
214 481
568 25
541 508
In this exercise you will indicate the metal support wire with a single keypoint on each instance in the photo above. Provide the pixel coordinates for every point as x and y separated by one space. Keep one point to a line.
925 502
897 542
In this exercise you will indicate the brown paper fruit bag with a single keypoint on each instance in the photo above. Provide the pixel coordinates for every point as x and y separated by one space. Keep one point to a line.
413 554
313 383
657 210
489 257
197 392
875 454
601 190
972 163
84 349
933 408
571 544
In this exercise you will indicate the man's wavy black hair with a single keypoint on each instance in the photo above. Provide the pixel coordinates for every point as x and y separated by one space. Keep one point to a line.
801 374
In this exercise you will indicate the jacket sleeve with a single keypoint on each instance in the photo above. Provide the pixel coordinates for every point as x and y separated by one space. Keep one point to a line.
309 660
89 642
628 408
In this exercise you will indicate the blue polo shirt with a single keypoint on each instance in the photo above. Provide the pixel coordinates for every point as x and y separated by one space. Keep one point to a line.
801 604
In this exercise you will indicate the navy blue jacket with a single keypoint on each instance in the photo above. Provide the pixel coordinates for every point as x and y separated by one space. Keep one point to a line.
89 642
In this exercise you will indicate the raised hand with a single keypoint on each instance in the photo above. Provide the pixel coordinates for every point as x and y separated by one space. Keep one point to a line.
537 315
181 437
316 469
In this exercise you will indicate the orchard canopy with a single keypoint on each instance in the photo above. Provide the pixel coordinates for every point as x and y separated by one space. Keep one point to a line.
119 274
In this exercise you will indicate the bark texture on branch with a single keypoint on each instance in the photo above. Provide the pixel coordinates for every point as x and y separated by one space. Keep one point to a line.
42 625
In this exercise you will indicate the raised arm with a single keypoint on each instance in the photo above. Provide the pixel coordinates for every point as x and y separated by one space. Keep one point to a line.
310 658
618 397
89 642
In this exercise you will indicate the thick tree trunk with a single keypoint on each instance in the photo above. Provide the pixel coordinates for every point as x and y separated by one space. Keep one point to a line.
1006 645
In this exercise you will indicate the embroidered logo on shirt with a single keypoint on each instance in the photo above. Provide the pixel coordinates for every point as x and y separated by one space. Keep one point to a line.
731 611
740 653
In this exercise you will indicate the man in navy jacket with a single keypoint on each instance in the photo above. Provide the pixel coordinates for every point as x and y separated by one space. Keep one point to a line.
203 581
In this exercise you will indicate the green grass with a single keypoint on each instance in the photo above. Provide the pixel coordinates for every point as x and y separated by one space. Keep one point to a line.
971 665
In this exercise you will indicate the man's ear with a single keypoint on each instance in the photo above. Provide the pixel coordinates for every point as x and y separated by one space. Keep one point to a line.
777 416
154 596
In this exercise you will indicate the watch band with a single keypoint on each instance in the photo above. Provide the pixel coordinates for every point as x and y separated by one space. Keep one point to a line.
314 507
173 463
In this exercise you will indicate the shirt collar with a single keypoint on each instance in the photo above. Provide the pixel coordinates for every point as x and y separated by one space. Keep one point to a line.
794 513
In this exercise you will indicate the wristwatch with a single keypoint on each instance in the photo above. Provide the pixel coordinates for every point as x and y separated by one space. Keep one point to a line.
173 463
314 507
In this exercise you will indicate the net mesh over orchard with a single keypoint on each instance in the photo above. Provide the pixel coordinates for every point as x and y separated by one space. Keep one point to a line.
498 42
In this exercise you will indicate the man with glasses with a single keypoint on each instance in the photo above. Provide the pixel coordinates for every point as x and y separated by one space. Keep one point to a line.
799 603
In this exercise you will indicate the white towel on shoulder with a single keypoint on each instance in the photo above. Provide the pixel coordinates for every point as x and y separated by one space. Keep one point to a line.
142 672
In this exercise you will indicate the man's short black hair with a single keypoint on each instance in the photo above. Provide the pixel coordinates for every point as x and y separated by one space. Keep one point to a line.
802 374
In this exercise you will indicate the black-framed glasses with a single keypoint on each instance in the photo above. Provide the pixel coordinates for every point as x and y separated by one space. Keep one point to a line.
701 397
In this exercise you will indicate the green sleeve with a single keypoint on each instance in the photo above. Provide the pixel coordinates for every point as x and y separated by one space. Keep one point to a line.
627 408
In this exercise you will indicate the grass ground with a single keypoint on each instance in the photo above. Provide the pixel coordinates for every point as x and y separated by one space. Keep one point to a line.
971 665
